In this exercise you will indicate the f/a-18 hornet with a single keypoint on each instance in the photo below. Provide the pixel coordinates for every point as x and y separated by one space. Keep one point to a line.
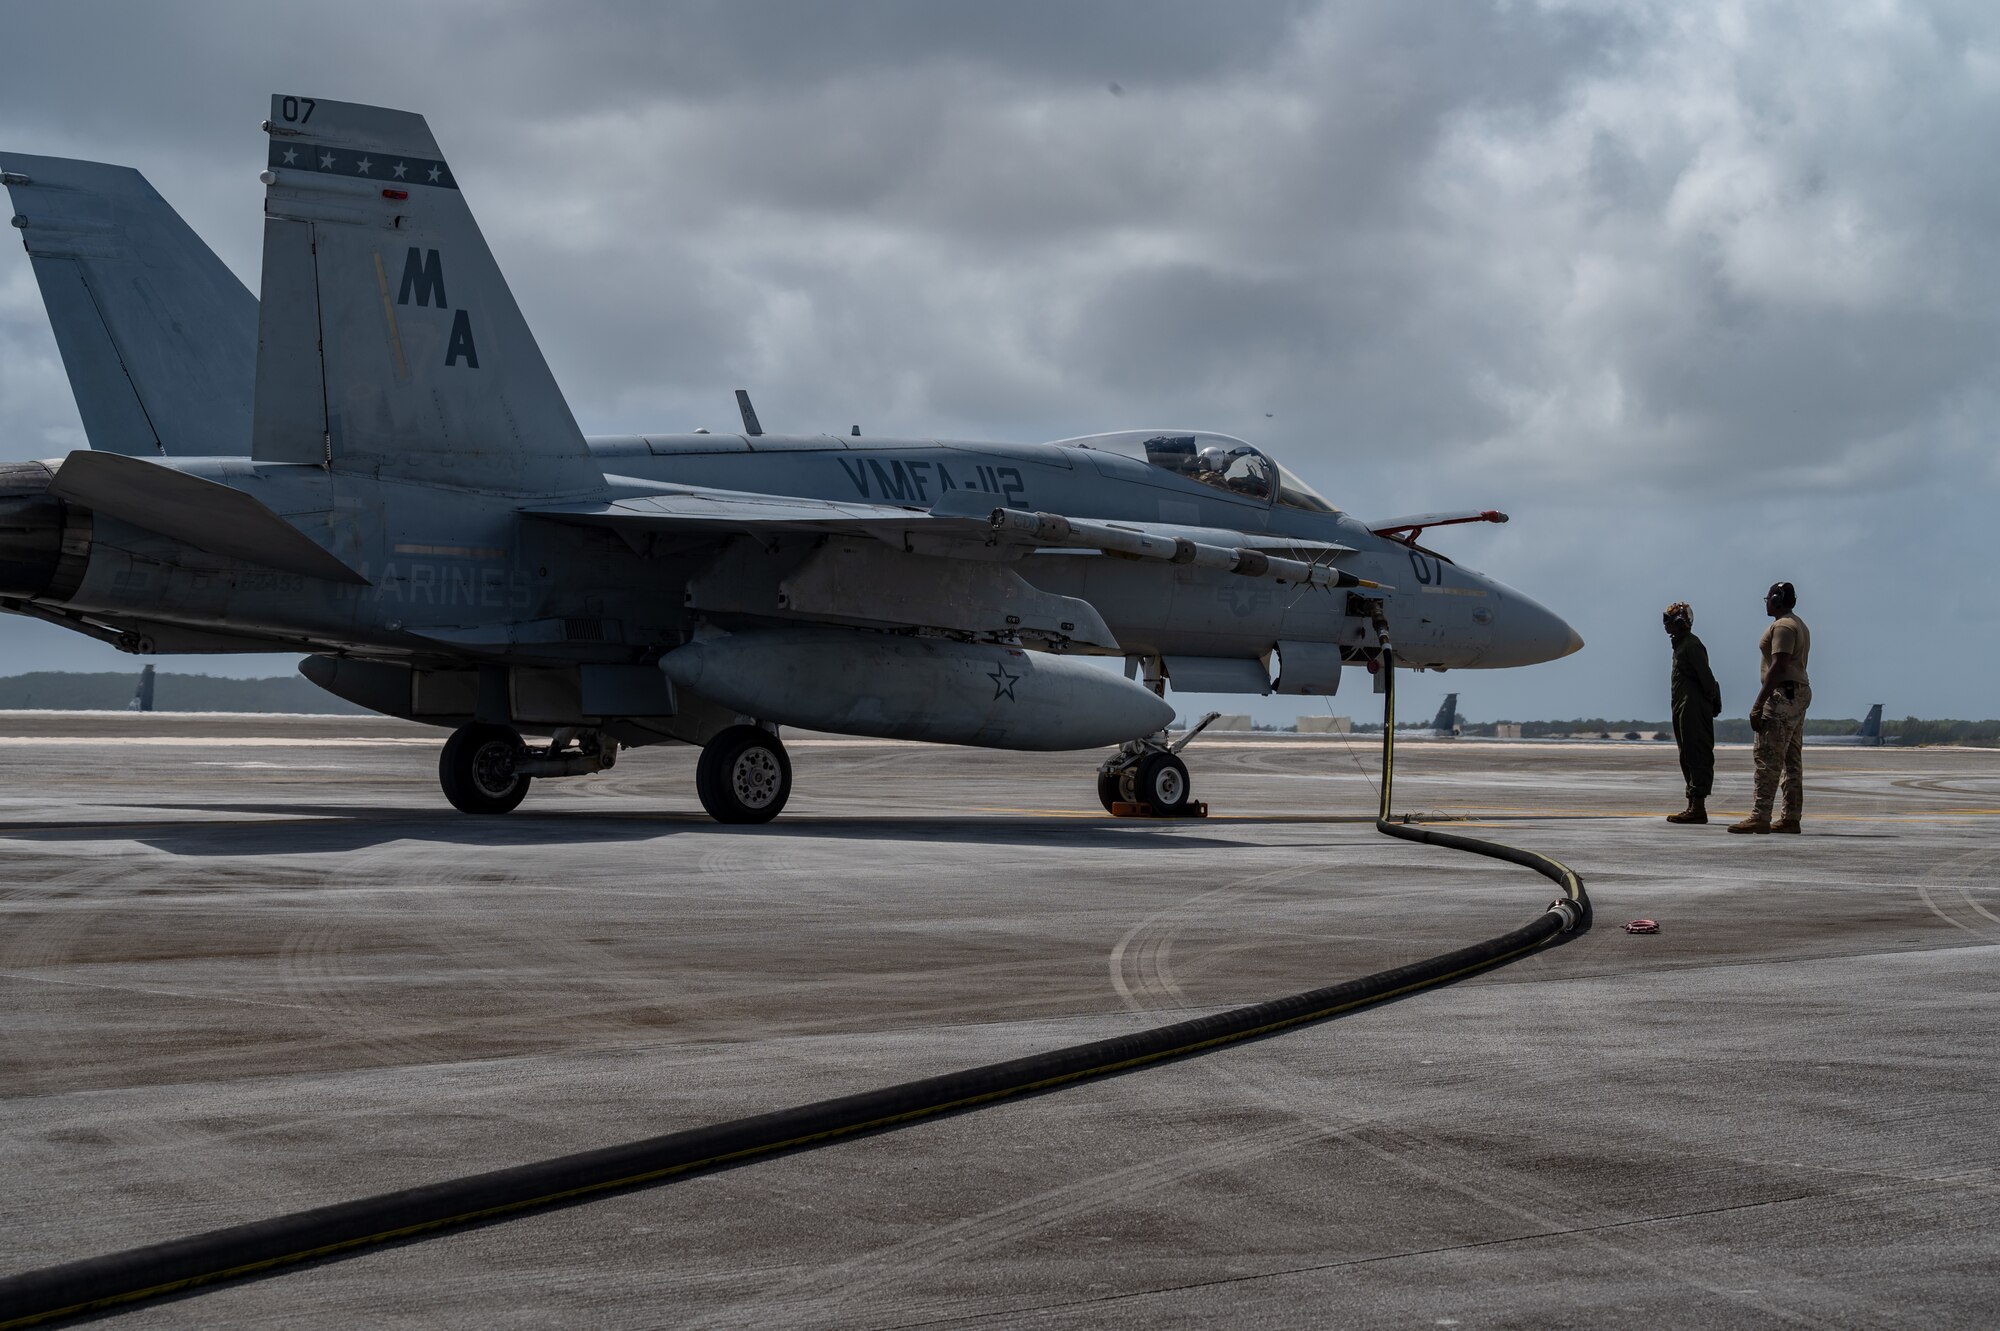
372 464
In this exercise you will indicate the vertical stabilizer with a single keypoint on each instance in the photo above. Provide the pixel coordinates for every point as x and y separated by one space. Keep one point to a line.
1446 721
389 343
158 337
1871 725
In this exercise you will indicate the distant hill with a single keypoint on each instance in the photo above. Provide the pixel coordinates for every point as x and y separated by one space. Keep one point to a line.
1734 730
64 691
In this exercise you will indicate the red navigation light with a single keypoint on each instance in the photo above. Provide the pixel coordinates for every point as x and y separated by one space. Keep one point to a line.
395 194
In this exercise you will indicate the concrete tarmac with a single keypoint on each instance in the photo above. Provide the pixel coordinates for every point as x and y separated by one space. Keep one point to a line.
255 964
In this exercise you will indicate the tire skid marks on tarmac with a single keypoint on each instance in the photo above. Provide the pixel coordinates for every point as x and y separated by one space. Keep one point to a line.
821 1294
1523 1195
46 941
180 1157
826 1295
319 966
1946 891
509 981
1140 963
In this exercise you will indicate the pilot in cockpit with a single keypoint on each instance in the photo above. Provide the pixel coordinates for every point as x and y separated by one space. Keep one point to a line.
1211 465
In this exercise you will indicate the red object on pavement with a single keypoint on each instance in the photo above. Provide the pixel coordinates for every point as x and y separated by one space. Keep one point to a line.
1643 927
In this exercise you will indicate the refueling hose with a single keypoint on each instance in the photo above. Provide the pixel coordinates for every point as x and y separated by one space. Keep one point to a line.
161 1270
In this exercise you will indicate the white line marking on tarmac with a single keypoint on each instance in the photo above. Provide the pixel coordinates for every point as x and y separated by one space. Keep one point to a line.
205 741
143 989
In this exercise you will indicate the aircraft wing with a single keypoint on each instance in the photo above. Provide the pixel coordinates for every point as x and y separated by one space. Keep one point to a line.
963 519
694 509
1407 529
943 568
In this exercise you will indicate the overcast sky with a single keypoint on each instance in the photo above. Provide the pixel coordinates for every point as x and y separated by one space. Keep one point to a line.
1703 295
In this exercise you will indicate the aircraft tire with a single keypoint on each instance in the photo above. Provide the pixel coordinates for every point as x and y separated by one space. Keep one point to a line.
477 772
1163 783
744 776
1110 789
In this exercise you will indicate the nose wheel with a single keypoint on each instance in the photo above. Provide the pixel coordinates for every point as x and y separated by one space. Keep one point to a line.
743 776
1150 783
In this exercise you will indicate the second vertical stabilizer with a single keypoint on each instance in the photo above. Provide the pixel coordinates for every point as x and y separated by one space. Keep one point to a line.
156 334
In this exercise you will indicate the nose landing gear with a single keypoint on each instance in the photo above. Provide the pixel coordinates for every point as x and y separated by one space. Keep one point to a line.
1147 779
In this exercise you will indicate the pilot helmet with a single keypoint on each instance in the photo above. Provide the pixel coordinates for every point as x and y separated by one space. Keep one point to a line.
1213 458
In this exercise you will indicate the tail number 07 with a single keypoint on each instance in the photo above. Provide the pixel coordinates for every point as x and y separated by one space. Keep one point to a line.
1430 569
288 107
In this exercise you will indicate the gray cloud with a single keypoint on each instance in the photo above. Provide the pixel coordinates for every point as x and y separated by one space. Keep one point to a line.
1696 290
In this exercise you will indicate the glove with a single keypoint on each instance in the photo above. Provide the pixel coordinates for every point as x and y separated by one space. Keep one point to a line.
1757 722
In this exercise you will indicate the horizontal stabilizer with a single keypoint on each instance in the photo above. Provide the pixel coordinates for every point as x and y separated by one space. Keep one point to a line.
200 513
158 337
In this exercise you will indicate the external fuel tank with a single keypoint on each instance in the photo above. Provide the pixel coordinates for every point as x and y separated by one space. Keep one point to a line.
895 686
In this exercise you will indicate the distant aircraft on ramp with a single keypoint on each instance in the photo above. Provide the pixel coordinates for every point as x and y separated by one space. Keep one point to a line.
1445 725
1869 732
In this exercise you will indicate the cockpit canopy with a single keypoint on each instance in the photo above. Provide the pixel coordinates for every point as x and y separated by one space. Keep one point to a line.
1220 460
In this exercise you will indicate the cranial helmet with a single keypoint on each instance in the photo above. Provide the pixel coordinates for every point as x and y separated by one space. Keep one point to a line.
1784 594
1679 616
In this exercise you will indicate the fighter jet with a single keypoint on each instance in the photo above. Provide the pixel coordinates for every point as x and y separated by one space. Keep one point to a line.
1868 733
412 505
1445 725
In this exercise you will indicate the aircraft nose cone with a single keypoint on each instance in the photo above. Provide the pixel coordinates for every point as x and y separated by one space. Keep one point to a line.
1530 633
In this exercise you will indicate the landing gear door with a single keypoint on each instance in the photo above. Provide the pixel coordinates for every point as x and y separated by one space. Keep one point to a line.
1308 668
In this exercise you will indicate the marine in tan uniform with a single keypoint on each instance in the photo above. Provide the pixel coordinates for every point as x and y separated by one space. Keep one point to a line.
1779 714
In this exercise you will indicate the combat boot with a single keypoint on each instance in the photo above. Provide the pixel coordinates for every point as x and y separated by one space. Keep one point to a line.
1695 812
1787 824
1752 824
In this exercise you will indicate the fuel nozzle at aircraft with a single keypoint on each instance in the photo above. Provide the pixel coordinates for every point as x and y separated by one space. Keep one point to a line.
44 541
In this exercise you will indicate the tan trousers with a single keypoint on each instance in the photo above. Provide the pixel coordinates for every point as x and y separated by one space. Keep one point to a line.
1777 752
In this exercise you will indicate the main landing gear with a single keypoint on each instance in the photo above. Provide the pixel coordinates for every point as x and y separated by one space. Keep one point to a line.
480 769
485 768
744 776
1147 779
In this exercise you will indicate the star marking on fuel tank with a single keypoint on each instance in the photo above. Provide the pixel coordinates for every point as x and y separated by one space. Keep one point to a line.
291 155
326 161
435 173
363 165
1003 684
401 170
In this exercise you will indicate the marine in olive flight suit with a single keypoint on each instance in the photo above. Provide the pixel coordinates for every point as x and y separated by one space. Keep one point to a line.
1779 714
1697 702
